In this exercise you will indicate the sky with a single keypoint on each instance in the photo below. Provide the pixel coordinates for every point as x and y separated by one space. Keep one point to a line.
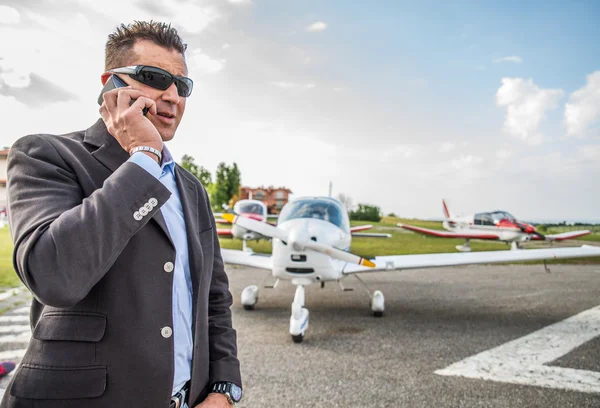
490 105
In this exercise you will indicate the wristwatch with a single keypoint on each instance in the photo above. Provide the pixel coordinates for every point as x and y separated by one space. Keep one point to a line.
229 389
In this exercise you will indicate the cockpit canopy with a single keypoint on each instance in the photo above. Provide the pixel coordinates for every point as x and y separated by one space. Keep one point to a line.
325 209
492 218
245 207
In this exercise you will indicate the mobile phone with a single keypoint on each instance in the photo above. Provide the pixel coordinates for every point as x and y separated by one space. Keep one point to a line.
115 82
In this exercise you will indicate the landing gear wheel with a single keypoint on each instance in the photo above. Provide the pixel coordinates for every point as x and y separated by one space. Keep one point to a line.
249 297
298 338
377 304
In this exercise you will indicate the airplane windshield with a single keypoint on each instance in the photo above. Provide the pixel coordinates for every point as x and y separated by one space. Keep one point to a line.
245 208
501 215
322 209
492 218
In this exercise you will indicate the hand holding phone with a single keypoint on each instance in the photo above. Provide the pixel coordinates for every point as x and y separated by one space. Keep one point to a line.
125 125
115 82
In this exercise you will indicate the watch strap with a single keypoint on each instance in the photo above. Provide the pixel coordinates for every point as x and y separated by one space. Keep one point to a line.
147 149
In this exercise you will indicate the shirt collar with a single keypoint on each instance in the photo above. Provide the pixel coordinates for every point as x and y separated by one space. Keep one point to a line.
167 162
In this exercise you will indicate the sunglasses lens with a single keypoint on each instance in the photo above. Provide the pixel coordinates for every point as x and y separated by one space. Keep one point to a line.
161 79
184 86
156 78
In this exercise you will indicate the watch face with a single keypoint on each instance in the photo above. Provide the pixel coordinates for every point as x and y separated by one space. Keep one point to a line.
236 393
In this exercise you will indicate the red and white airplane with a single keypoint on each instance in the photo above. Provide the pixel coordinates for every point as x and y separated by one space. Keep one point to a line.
494 225
257 210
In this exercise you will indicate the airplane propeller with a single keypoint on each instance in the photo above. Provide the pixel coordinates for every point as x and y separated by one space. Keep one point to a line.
535 232
297 240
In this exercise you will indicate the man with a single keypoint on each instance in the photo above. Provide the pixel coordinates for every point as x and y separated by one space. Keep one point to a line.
117 243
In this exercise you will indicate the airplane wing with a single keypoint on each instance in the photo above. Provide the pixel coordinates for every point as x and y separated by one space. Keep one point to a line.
399 262
446 234
255 260
371 235
224 232
564 235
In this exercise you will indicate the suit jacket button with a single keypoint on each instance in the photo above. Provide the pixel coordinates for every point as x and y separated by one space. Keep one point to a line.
143 211
137 216
166 332
169 267
153 202
148 207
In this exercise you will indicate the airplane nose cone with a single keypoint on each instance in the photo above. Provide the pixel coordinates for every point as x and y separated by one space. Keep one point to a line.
529 228
297 238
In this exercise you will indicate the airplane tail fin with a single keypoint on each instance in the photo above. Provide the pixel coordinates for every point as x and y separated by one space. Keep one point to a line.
446 212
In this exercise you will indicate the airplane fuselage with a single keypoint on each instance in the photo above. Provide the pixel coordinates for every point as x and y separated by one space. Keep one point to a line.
290 262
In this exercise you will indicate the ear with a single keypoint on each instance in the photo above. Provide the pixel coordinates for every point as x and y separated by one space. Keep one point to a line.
105 77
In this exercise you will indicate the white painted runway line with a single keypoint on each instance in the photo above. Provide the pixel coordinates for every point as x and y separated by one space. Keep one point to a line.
15 328
14 319
16 338
12 354
10 293
522 361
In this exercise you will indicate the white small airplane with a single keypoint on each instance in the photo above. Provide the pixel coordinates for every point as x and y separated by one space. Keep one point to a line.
257 210
494 225
311 244
254 209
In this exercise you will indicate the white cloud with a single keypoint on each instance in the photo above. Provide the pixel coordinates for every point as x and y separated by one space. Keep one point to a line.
504 154
240 1
466 162
317 26
513 58
399 152
185 15
526 105
292 85
447 147
590 153
202 64
9 15
583 109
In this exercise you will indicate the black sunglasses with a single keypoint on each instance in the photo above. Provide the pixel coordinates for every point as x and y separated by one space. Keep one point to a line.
157 78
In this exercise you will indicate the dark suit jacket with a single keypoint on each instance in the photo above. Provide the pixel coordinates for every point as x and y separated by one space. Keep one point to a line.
102 293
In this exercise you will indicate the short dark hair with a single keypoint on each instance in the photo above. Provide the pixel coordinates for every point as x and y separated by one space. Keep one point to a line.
120 43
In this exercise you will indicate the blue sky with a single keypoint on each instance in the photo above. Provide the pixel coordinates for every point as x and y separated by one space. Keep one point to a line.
487 104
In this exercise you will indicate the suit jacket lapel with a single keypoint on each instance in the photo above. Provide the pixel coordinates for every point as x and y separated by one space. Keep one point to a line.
110 153
188 193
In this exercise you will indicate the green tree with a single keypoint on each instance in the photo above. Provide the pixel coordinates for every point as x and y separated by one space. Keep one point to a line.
187 162
220 194
234 180
366 212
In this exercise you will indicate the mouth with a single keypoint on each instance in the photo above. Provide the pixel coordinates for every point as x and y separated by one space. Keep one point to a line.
166 117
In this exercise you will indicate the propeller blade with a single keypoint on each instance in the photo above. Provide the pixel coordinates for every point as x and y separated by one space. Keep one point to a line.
338 254
260 227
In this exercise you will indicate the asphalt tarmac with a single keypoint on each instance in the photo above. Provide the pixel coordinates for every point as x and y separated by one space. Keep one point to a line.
434 319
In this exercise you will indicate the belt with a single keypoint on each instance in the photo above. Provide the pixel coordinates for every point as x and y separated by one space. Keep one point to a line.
178 399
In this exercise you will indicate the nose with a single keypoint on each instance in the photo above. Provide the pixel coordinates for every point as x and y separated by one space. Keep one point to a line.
170 94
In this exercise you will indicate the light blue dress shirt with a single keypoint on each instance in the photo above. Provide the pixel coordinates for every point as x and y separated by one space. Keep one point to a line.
172 211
